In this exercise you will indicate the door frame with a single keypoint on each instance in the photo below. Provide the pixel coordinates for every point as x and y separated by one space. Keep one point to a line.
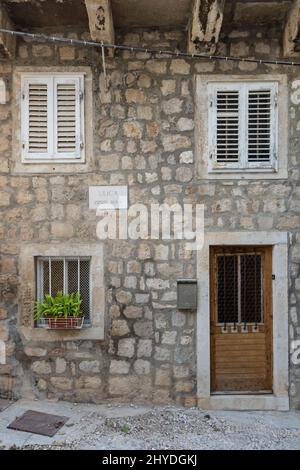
279 399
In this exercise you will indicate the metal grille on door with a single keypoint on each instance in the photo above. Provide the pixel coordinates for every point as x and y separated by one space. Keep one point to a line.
239 291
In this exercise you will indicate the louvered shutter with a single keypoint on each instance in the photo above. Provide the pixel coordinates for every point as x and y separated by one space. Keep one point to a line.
67 117
36 117
261 125
242 126
227 126
52 117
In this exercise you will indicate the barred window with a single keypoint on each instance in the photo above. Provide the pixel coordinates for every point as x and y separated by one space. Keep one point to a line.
67 275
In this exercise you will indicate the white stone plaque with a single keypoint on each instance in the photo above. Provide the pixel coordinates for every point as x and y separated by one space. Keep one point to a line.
108 197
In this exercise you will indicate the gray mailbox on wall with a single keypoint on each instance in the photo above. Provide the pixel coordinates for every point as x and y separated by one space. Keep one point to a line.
187 294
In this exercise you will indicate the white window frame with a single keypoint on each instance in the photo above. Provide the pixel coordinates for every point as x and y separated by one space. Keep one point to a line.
203 162
53 156
243 89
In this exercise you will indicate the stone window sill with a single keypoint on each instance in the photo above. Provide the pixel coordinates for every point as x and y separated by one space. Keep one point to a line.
41 334
253 173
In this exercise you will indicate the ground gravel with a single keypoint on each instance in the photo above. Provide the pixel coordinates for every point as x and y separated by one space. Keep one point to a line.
177 428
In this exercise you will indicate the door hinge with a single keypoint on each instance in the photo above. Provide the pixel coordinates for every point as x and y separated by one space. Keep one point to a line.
273 277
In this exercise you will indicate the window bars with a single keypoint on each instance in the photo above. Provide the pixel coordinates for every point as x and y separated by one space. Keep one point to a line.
67 275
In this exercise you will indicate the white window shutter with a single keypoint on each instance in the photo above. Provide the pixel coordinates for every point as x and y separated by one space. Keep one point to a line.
52 117
227 124
260 125
36 117
243 126
67 117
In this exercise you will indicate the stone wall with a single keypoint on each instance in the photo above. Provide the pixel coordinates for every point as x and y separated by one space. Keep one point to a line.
143 138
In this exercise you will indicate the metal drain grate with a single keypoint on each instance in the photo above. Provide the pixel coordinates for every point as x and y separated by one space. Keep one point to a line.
38 423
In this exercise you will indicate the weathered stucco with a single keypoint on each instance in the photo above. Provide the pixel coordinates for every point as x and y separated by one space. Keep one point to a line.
143 128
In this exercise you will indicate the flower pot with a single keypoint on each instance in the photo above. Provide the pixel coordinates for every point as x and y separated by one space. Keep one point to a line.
69 323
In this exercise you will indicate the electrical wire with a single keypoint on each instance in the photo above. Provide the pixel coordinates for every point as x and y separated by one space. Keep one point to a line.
123 47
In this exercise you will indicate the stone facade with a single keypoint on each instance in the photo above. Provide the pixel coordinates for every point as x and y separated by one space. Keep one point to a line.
144 138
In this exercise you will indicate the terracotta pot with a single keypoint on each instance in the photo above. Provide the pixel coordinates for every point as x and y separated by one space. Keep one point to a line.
68 323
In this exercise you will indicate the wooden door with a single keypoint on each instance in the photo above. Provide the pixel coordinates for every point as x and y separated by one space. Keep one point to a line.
241 319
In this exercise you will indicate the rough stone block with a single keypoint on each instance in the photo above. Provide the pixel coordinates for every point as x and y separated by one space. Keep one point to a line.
142 367
119 367
41 367
90 366
126 347
62 383
119 328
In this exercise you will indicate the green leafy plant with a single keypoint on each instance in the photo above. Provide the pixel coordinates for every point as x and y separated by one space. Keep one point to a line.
60 306
125 429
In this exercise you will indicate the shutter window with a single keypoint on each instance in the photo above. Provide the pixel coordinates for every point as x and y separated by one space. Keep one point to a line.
52 117
67 117
38 118
242 125
259 125
227 126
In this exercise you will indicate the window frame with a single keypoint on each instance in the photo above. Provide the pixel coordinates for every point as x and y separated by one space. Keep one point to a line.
40 277
27 291
243 87
201 83
51 79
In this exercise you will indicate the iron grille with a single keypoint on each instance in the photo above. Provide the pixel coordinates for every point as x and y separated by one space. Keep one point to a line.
228 311
251 289
239 288
66 275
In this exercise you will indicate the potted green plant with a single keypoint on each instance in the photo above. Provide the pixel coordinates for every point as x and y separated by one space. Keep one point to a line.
63 311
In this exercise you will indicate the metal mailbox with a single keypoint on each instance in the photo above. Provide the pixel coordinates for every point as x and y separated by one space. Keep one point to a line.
187 294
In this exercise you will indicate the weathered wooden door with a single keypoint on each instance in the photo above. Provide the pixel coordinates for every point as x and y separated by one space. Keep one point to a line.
241 319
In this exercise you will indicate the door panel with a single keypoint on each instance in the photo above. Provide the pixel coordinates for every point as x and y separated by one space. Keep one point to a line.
241 319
